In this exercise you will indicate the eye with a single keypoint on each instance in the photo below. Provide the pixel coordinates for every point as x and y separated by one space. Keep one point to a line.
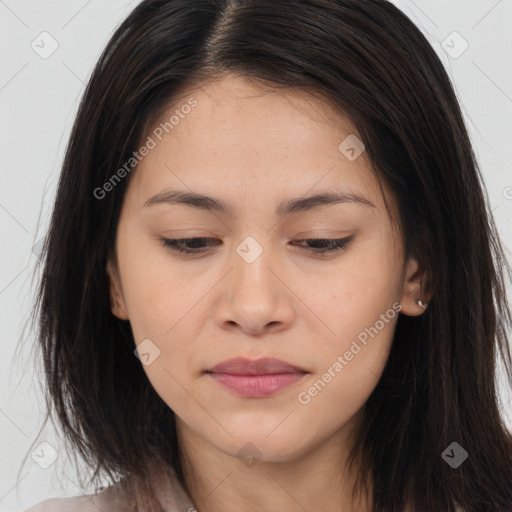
324 245
198 245
180 244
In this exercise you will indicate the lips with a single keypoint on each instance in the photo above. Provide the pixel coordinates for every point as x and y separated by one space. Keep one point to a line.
264 366
255 378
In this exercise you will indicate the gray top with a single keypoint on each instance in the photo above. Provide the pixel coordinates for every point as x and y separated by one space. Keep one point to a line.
172 497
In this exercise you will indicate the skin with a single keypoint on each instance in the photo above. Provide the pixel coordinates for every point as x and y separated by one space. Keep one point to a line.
254 147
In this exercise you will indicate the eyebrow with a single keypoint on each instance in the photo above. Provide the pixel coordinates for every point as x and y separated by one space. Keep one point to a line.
300 204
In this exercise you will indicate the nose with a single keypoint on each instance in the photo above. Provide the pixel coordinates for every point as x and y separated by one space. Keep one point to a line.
256 296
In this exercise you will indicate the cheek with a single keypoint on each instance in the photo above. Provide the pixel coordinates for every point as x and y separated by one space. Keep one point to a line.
348 375
360 305
163 302
151 292
351 296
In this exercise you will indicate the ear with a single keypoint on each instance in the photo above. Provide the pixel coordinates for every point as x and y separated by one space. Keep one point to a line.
117 302
415 288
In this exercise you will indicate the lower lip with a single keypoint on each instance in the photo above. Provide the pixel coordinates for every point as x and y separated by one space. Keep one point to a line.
256 386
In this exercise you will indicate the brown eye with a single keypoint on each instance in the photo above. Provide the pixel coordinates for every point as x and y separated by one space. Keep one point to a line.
197 245
324 245
186 245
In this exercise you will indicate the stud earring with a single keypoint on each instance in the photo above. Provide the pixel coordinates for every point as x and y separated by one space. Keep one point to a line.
422 304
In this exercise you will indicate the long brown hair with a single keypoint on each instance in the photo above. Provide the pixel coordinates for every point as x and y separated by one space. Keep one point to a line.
368 61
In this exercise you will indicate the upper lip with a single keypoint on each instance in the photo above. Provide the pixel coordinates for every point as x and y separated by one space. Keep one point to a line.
263 366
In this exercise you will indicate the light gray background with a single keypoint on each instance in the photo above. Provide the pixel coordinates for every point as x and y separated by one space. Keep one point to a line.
38 100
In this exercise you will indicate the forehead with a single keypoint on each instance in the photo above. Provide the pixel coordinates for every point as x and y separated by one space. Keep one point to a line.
246 114
243 136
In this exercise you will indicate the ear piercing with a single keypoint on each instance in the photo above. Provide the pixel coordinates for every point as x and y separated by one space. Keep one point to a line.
422 304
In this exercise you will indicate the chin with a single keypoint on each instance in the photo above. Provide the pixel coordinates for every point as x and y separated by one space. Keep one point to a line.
254 444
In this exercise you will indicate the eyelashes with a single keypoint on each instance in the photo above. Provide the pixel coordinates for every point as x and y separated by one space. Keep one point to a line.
199 245
177 244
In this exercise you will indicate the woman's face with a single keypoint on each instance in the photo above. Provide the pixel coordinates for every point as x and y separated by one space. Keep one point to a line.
257 289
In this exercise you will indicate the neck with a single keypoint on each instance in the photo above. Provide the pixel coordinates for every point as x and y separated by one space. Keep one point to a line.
317 480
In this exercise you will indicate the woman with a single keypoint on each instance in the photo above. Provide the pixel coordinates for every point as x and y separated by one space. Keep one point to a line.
272 281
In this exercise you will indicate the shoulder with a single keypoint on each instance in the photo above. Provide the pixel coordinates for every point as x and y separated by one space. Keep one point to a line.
77 504
110 500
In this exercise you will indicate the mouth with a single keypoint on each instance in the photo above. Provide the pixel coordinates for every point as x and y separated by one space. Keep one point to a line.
255 378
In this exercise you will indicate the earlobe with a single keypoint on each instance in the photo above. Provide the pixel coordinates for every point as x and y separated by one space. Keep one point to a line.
415 298
117 303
